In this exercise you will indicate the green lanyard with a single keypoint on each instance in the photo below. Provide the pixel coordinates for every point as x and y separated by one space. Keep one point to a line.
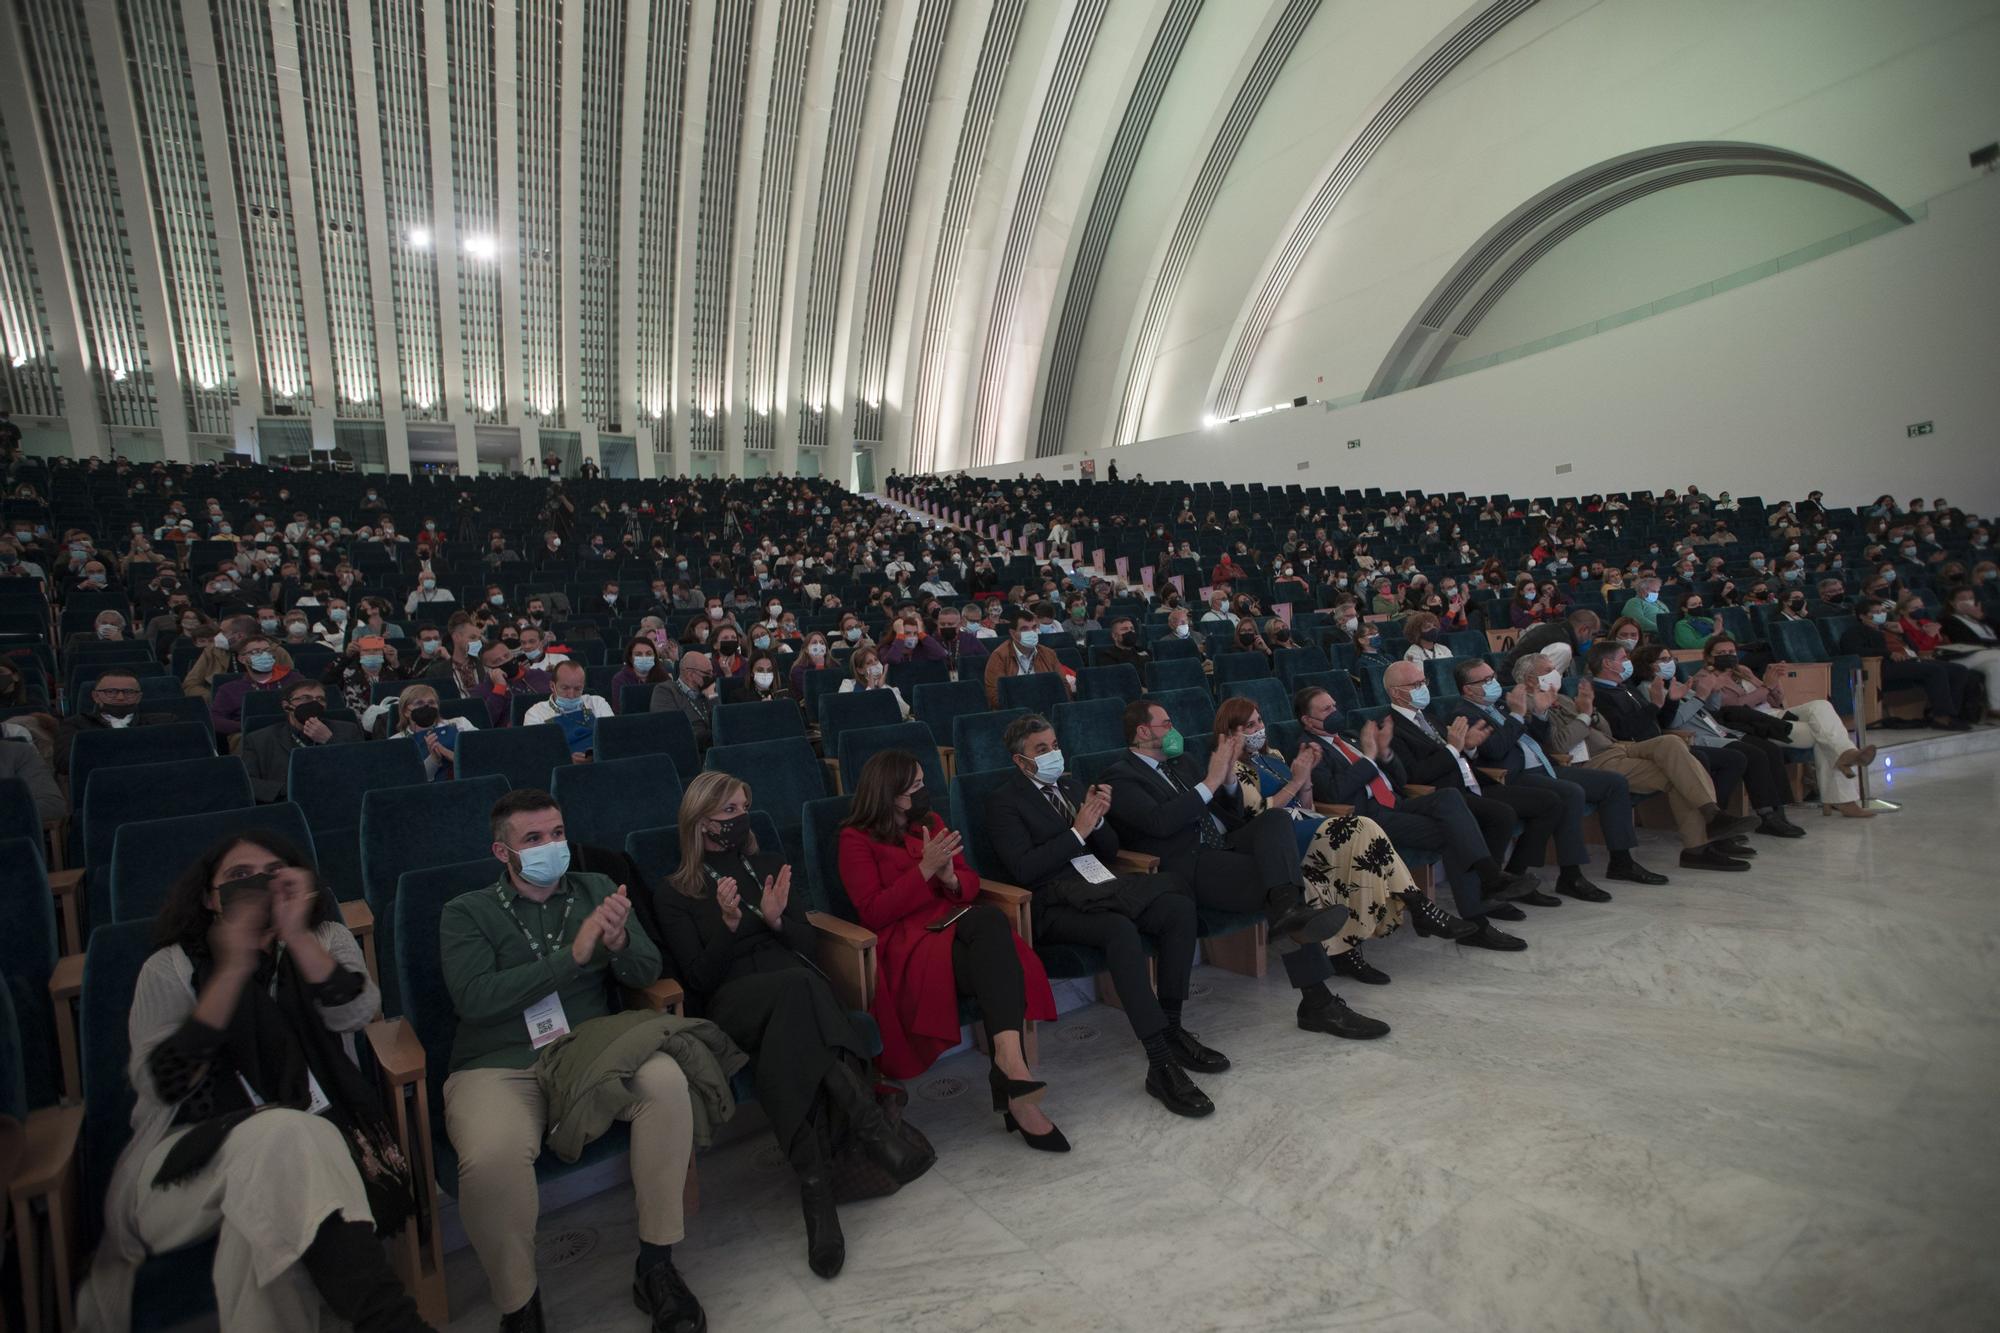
554 940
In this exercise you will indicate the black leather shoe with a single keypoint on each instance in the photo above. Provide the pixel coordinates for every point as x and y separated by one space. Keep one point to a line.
1505 912
1707 858
527 1319
1540 899
1734 847
1511 887
1634 873
1775 825
1309 923
1428 919
1729 826
1352 965
826 1246
1189 1053
1172 1088
1336 1019
664 1298
1582 890
1497 940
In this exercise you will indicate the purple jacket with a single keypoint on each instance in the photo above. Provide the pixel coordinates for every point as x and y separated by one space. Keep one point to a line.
499 702
928 649
225 711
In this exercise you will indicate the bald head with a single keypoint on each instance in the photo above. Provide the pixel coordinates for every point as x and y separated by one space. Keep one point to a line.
1402 675
695 669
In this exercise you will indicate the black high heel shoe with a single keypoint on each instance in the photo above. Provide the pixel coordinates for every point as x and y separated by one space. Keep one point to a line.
1429 919
1012 1089
1053 1141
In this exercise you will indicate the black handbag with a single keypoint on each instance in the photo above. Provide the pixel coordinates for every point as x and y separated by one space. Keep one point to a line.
1755 722
858 1176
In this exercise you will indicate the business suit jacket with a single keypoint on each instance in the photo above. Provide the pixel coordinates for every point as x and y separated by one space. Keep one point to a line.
1002 661
1338 780
71 726
267 754
1536 638
1630 717
1036 844
668 696
1424 760
1150 816
1503 749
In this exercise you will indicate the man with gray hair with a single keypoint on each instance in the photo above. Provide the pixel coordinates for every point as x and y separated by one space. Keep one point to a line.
691 693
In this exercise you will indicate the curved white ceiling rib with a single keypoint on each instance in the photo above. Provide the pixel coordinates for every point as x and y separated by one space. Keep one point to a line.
1515 244
1348 160
1142 343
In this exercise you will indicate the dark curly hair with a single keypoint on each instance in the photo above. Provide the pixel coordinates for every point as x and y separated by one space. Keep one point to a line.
185 916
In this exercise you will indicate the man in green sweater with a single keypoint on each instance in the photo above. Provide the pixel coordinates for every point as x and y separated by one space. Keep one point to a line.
1644 605
525 961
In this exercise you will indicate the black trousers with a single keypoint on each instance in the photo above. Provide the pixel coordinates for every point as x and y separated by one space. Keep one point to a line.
1157 907
1541 810
1255 870
793 1028
1763 772
1947 685
987 969
1463 830
1579 787
1725 766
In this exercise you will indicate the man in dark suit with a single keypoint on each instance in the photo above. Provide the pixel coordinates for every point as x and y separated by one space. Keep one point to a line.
267 752
1518 742
1365 774
1166 805
1052 836
1561 641
1633 717
1126 646
116 694
1436 756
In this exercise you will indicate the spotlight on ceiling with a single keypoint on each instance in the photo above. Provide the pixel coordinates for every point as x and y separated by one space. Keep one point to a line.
418 237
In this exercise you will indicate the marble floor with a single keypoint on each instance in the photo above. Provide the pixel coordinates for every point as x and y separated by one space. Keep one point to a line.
1757 1101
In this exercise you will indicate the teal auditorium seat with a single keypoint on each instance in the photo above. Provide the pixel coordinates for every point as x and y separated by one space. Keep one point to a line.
415 828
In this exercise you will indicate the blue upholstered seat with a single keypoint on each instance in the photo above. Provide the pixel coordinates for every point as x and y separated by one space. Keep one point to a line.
860 744
415 828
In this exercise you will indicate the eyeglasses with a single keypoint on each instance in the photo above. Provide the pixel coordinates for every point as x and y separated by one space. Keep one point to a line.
116 692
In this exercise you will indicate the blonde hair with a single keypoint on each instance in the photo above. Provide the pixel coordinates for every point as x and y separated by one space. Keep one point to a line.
404 701
708 793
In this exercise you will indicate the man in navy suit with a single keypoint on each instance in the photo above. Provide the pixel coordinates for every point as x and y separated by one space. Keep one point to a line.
1365 773
1519 744
1053 839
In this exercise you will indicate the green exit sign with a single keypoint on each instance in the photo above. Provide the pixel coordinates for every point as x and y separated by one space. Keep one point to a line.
1354 444
1921 428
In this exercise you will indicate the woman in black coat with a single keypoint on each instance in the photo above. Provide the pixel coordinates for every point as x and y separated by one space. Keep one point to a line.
742 949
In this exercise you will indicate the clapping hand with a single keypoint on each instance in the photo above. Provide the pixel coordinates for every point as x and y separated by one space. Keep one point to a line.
730 901
937 852
1518 701
1586 697
1455 733
1304 762
777 895
1096 804
292 896
1477 734
612 915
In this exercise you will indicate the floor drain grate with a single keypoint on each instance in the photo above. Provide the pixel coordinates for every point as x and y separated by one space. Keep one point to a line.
941 1089
1077 1032
770 1157
559 1249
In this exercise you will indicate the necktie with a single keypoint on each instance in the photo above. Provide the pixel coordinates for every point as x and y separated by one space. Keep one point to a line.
1211 831
1537 756
1384 794
1424 725
1061 803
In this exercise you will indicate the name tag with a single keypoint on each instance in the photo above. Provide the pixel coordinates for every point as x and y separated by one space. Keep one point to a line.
546 1022
316 1100
1580 752
1091 868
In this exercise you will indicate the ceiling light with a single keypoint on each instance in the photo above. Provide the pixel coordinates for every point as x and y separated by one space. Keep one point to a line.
481 246
419 238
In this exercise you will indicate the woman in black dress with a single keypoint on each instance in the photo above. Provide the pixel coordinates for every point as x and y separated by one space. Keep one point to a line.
742 949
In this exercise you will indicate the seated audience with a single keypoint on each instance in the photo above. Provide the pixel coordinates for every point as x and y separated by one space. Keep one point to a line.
1656 680
1723 683
693 693
117 702
868 673
267 751
1022 654
419 722
1948 686
570 707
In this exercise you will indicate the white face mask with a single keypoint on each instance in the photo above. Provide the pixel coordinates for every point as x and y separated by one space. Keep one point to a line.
1549 680
763 679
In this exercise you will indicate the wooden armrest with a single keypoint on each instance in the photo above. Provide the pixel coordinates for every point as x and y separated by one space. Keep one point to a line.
1418 789
358 917
48 1153
397 1051
663 996
66 982
1135 863
1014 901
842 932
1331 810
1492 774
62 883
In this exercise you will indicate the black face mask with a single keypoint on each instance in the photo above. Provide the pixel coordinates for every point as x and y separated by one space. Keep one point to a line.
1128 640
1725 661
235 891
732 834
920 807
424 715
307 711
117 710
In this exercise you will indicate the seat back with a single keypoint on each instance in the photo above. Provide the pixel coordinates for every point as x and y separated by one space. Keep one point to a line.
906 676
13 1082
641 735
1796 641
27 957
606 800
1118 681
1090 767
821 854
415 828
856 708
937 705
130 793
1090 725
743 724
524 756
976 739
110 982
1038 693
18 816
104 748
860 744
1183 673
1438 675
1267 692
1241 666
328 782
971 797
1192 711
148 855
783 775
1337 683
1292 662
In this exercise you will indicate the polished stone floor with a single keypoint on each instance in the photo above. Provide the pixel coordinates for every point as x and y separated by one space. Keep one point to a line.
1758 1101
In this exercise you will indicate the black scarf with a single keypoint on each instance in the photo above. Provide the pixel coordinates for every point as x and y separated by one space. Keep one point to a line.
274 1039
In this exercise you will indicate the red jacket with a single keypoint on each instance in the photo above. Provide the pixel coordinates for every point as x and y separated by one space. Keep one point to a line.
916 991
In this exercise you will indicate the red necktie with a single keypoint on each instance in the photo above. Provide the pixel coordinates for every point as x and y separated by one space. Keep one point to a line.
1385 795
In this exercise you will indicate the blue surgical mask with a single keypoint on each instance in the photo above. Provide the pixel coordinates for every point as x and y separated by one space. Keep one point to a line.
1030 638
563 705
262 662
1049 767
544 864
1879 617
1420 696
1491 691
371 661
1652 596
1625 669
644 665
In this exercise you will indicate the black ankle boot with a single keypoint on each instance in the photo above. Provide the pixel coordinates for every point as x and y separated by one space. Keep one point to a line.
826 1248
895 1154
527 1319
1430 919
353 1277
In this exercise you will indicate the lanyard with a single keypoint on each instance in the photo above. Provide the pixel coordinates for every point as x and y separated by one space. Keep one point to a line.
550 940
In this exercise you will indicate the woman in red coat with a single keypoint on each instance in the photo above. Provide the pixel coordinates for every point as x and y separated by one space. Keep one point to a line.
935 941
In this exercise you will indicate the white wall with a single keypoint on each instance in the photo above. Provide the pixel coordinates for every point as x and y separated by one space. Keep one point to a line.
1802 380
